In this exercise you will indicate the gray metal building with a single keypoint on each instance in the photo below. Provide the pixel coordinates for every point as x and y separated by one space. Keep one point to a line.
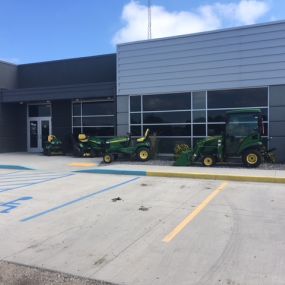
181 87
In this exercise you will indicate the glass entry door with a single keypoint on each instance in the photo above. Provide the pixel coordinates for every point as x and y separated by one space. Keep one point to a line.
38 131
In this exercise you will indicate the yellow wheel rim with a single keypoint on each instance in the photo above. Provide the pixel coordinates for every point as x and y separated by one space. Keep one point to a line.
208 161
143 154
107 158
252 158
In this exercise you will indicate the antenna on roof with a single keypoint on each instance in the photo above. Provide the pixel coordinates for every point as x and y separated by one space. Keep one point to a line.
149 20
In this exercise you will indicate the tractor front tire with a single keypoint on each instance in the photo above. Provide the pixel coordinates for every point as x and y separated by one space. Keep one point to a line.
251 158
108 158
143 154
209 160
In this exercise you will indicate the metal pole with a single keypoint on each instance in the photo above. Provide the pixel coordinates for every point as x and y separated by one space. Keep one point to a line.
149 20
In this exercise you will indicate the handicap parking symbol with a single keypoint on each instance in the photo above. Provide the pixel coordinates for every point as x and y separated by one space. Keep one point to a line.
12 205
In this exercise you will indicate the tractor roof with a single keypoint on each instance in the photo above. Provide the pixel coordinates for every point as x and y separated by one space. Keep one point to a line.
244 111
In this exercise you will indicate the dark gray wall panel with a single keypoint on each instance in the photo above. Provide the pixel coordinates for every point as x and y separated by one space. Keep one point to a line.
277 95
13 127
68 72
122 115
279 144
277 120
61 92
8 75
233 58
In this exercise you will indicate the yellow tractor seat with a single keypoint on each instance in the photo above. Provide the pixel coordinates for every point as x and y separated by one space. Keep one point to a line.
145 137
83 138
51 138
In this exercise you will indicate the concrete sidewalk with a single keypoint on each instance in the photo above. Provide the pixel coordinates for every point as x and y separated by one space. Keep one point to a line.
95 165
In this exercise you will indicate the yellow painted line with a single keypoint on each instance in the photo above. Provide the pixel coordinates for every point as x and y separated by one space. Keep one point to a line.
82 164
230 177
195 213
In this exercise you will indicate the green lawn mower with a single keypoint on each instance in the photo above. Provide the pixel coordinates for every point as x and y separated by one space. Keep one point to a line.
88 146
53 146
124 145
242 139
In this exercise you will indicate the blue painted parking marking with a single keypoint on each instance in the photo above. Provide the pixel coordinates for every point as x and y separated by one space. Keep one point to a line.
17 180
12 205
77 200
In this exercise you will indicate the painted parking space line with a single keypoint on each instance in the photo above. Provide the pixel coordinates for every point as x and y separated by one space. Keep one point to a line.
19 181
195 213
69 203
12 205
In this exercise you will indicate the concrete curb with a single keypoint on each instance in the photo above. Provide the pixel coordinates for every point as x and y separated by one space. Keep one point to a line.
208 176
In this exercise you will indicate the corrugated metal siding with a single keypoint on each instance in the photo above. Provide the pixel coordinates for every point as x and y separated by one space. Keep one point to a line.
232 58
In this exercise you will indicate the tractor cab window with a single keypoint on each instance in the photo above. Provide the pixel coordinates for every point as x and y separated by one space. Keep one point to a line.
243 124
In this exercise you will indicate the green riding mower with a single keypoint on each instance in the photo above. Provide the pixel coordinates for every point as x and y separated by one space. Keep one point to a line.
242 139
124 145
88 146
53 146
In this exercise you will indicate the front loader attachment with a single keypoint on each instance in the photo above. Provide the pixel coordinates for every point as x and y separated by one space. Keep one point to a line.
184 158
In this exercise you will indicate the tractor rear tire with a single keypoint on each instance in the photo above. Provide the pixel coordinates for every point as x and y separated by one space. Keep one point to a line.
108 158
208 160
143 154
251 158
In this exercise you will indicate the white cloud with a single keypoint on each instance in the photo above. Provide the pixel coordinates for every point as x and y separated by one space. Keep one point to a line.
207 17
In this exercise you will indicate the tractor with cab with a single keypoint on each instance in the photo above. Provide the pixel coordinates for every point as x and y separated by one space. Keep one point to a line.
242 139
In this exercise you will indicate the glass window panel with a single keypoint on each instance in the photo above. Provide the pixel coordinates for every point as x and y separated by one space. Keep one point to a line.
238 98
136 118
136 131
98 108
215 129
99 131
199 116
77 121
199 100
169 130
76 109
217 115
135 103
98 121
199 130
167 117
167 102
33 134
42 110
167 145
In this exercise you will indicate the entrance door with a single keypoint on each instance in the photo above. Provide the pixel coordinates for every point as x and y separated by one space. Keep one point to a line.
38 131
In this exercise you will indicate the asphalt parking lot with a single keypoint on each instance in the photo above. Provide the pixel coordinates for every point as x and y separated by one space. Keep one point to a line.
143 230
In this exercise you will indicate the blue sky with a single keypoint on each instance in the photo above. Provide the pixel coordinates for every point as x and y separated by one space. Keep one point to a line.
37 30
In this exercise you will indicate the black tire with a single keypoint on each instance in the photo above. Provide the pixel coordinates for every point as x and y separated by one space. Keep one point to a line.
208 160
108 158
143 154
251 158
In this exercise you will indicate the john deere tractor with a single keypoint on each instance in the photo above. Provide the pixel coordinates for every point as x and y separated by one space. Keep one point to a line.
241 139
53 146
124 145
88 146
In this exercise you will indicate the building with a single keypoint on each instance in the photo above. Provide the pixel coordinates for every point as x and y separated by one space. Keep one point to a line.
180 87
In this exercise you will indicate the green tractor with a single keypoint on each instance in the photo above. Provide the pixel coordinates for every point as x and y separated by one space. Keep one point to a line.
88 146
53 146
124 145
241 139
